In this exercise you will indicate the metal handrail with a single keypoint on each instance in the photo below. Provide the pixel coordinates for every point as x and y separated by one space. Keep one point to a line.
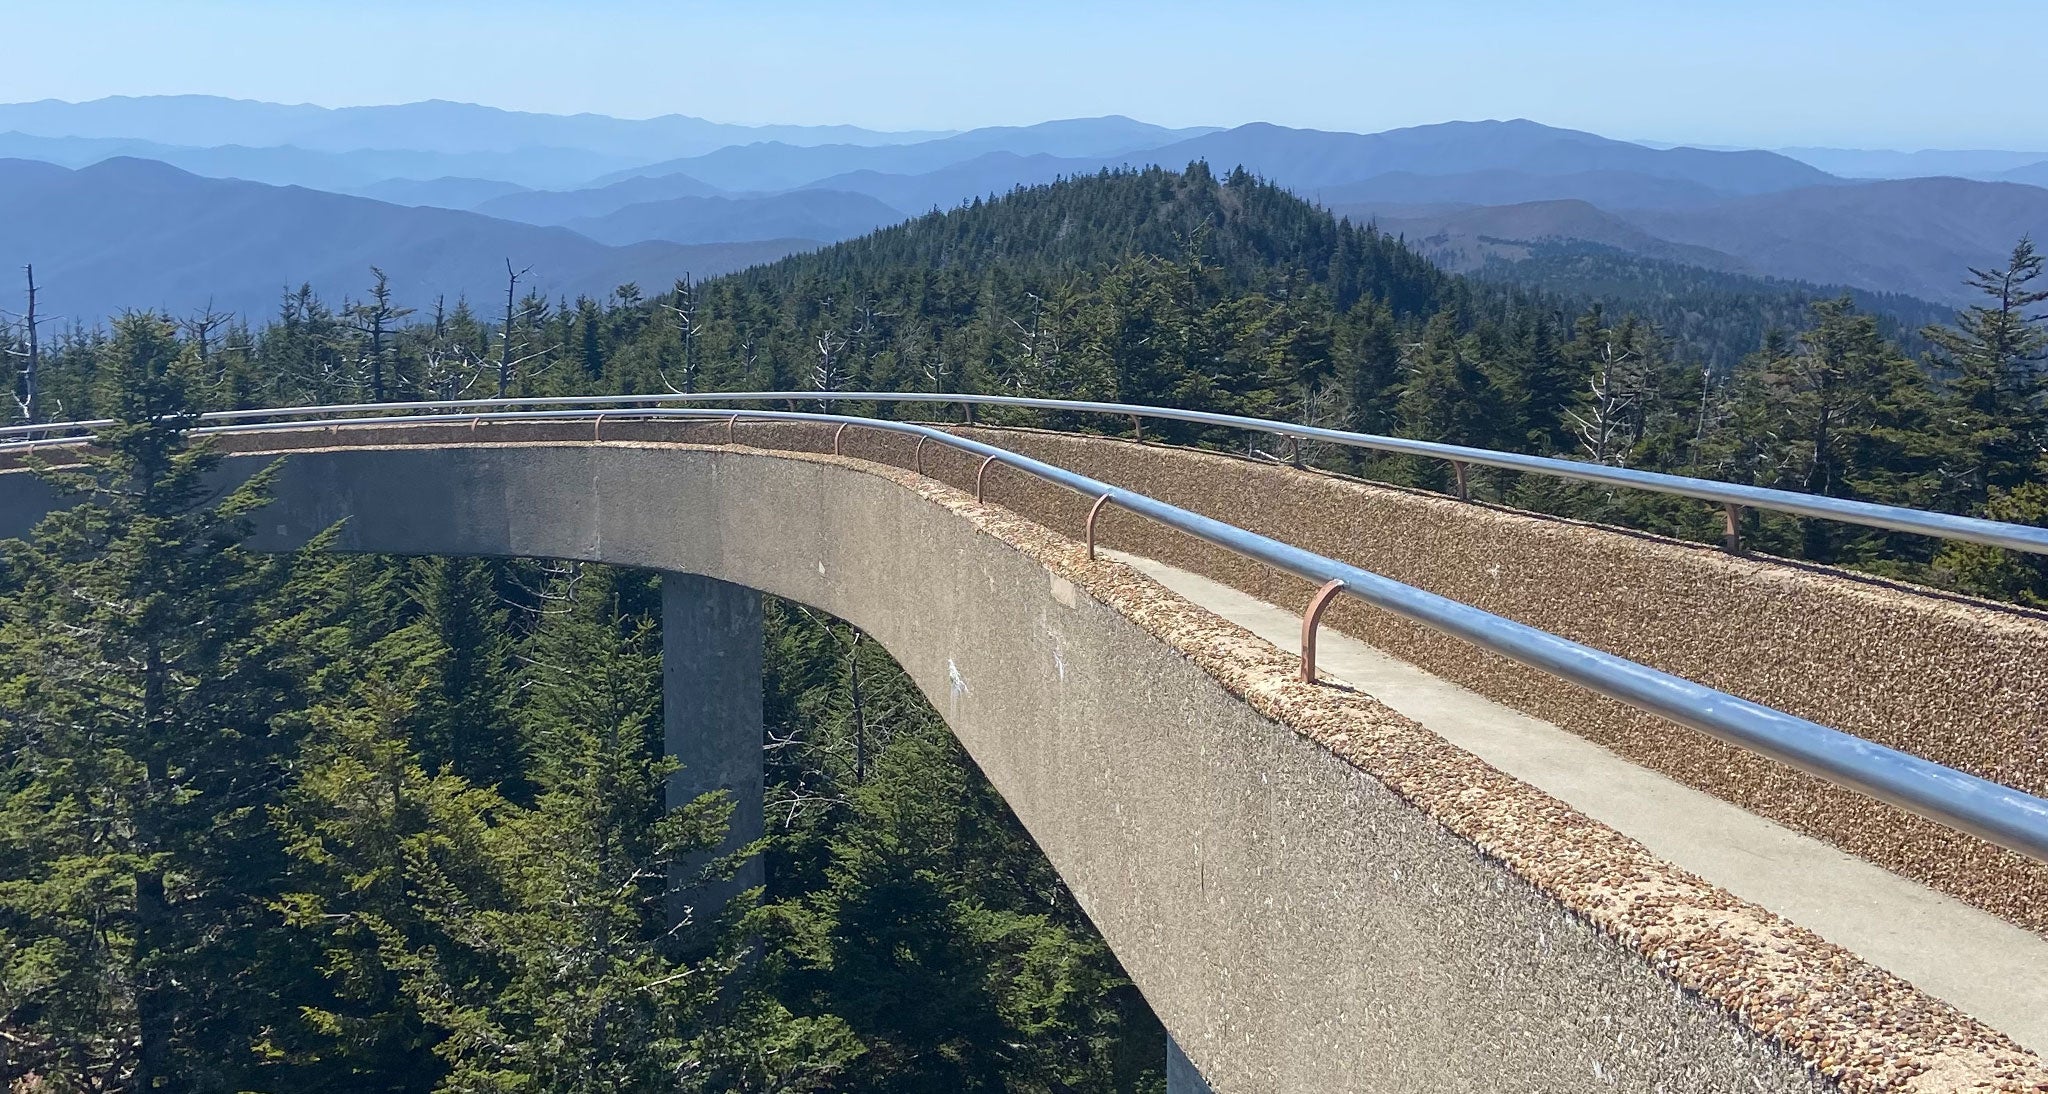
1996 813
1733 497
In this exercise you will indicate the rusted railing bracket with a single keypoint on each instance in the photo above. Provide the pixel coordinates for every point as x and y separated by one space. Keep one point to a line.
838 433
1093 511
1731 527
979 472
1464 486
1309 620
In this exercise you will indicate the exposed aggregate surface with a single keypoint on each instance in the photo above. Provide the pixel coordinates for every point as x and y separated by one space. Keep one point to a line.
1859 1026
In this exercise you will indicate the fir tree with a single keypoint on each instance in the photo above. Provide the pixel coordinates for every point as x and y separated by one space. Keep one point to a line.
146 731
1992 414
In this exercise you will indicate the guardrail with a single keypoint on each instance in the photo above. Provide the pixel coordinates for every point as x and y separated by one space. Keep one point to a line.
1999 814
1733 498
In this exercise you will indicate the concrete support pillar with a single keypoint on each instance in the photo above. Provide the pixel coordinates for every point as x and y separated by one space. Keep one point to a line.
1181 1076
711 701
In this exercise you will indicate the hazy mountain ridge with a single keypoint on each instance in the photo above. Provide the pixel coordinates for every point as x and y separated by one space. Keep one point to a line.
1468 192
824 215
982 176
448 192
1306 158
132 233
1909 236
1983 164
776 165
1626 189
562 206
1914 236
433 125
288 165
1463 238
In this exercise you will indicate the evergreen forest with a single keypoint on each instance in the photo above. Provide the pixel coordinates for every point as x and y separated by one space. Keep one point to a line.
320 822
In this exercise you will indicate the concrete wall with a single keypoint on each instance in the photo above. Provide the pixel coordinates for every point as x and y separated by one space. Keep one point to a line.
1313 893
1959 681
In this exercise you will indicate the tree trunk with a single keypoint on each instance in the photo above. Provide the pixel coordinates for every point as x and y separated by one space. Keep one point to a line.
32 365
154 1004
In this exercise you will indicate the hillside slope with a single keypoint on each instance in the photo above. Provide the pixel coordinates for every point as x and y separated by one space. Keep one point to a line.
824 215
1464 237
1611 189
563 206
288 165
780 165
1307 159
137 234
442 193
983 176
1246 230
1913 236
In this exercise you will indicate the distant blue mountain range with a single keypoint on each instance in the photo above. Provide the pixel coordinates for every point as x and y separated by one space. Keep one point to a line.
165 207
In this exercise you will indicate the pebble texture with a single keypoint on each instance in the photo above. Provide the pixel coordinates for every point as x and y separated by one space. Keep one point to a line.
1959 681
1850 1025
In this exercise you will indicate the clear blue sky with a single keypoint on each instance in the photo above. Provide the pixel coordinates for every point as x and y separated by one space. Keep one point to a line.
1870 73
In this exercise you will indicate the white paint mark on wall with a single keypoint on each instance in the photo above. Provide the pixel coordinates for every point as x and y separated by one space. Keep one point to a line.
1063 591
958 681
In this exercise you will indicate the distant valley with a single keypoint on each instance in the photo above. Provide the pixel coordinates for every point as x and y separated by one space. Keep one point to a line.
126 203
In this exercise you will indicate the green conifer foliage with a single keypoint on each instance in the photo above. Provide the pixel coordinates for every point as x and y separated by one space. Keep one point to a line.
1992 411
145 720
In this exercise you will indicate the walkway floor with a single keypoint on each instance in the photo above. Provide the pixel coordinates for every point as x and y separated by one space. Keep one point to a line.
1972 959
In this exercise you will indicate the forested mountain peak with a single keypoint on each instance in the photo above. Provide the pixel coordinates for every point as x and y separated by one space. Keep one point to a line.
1248 228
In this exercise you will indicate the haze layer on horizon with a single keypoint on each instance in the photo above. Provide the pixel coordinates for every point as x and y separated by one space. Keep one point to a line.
1757 73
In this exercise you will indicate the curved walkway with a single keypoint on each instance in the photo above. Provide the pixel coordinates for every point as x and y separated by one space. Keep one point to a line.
1315 893
1949 949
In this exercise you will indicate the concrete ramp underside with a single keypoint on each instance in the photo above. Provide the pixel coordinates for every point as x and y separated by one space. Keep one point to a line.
1314 893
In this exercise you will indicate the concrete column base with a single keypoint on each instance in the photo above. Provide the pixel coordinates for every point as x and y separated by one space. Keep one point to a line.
1181 1074
711 648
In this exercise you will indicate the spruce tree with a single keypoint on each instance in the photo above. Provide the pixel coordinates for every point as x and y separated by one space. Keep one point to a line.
145 714
1992 416
1836 411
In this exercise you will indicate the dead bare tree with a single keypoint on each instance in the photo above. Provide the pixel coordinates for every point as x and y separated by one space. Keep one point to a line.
1323 404
1037 349
374 320
448 372
931 354
684 314
829 374
1615 390
872 718
199 329
28 382
869 322
508 365
447 368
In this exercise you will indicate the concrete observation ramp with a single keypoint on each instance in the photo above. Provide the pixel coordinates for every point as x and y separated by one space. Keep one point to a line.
1313 892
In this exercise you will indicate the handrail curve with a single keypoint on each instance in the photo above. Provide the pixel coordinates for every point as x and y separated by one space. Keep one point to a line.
1993 812
2016 537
